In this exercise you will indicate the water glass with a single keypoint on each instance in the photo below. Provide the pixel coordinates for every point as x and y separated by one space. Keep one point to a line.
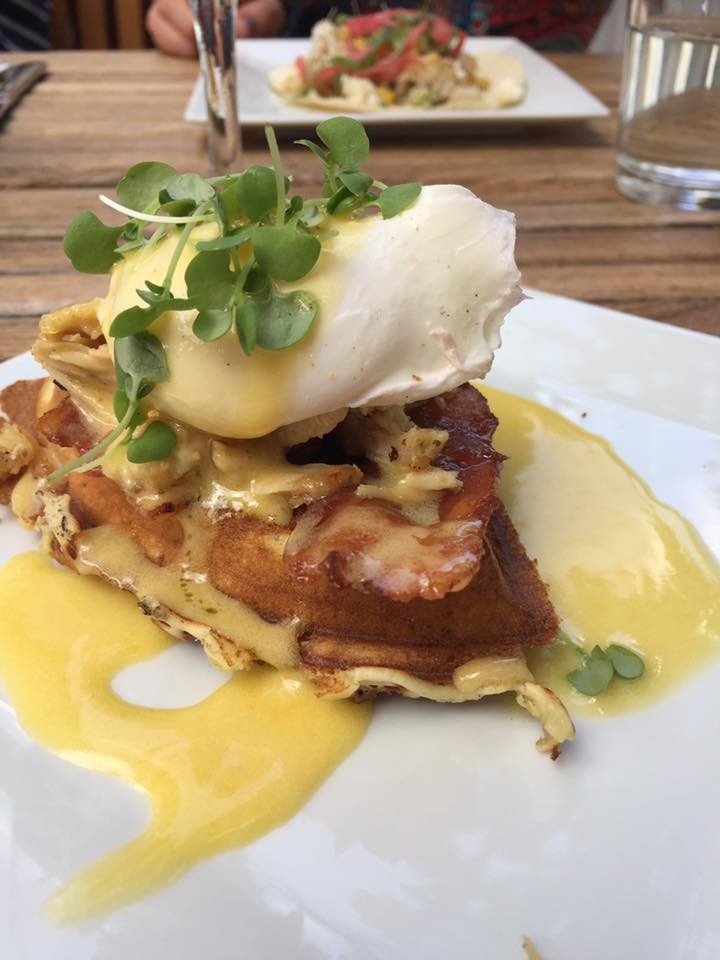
669 151
215 29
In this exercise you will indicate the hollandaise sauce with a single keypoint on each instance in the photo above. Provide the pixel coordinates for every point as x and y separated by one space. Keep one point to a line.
217 774
621 566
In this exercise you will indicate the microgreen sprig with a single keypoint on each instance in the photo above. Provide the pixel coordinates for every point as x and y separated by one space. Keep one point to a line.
599 666
347 188
264 238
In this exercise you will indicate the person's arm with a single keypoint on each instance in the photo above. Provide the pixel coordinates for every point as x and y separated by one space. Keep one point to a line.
170 25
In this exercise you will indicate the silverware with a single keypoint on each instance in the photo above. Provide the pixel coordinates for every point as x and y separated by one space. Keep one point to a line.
16 80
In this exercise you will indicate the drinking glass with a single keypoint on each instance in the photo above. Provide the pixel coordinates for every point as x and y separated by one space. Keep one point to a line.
669 150
215 22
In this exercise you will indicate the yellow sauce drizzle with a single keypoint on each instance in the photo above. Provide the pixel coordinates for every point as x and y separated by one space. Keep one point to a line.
621 566
218 774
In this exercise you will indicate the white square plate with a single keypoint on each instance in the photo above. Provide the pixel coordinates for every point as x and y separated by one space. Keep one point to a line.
552 95
445 835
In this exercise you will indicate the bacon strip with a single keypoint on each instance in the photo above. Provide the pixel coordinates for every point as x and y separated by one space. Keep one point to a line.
368 544
64 427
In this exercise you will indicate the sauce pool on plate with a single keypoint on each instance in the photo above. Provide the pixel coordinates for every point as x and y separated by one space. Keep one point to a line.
217 774
621 567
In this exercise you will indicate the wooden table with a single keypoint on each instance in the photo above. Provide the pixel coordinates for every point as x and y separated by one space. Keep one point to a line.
98 113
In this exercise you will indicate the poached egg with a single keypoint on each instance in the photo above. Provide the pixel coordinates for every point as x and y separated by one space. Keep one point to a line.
409 308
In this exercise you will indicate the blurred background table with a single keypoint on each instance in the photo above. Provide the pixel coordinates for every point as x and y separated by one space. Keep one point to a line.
97 113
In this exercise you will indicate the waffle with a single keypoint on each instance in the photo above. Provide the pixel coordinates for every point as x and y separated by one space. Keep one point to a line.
301 592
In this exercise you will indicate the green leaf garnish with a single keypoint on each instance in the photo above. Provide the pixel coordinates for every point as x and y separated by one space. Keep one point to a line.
188 186
263 238
140 363
175 208
394 200
626 663
210 325
140 187
228 202
257 283
284 253
121 402
311 215
594 675
346 140
318 151
246 326
90 245
230 240
357 183
133 320
600 666
156 442
209 279
284 319
256 192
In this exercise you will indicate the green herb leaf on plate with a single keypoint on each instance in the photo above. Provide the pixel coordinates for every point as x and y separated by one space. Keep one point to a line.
318 151
229 241
133 320
139 189
161 299
228 202
210 325
140 363
346 140
594 675
257 283
90 245
358 183
121 403
311 215
209 279
156 442
246 326
626 663
189 186
284 253
394 200
256 192
285 319
175 208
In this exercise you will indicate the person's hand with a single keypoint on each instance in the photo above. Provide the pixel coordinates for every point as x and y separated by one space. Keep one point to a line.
170 23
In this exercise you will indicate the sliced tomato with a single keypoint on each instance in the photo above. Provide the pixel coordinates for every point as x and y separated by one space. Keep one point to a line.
370 22
441 31
302 68
413 37
325 80
389 68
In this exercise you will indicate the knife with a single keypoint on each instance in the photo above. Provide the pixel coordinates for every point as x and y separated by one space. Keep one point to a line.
15 81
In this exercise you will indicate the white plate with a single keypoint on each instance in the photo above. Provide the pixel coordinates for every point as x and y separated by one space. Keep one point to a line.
445 835
552 95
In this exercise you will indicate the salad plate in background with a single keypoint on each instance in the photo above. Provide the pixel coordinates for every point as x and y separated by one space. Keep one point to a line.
552 95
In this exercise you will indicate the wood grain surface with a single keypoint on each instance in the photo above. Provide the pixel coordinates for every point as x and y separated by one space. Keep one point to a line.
98 113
